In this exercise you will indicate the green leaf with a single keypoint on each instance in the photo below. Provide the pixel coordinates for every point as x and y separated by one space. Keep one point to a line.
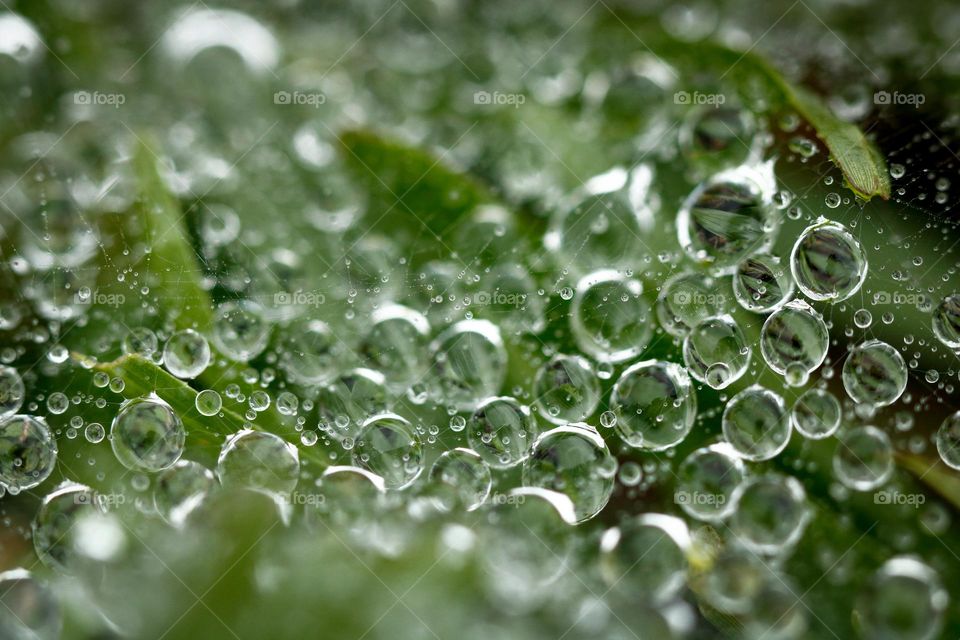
864 169
142 377
171 262
863 166
935 475
411 190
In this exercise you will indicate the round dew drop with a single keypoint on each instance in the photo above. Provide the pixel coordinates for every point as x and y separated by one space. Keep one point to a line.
903 599
208 402
469 363
645 557
389 446
948 441
567 389
654 405
60 511
863 459
828 263
707 480
179 490
186 354
609 319
147 435
874 374
11 391
239 330
686 299
259 460
756 424
726 218
573 460
761 283
794 337
946 321
716 352
501 431
28 452
816 414
771 514
31 609
459 479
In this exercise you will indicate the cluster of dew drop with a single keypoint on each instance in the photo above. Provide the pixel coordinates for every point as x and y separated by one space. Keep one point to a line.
533 463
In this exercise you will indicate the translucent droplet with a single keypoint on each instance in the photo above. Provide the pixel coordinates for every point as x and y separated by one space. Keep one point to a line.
903 599
816 414
180 489
141 341
30 609
610 320
239 330
146 434
309 354
259 460
600 231
11 391
208 402
396 344
726 218
349 400
94 432
828 263
707 480
186 354
874 374
645 557
771 514
685 300
460 479
566 389
794 335
713 138
756 424
946 321
389 447
863 459
948 441
501 431
58 403
654 404
573 460
762 283
56 520
716 352
28 452
469 363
